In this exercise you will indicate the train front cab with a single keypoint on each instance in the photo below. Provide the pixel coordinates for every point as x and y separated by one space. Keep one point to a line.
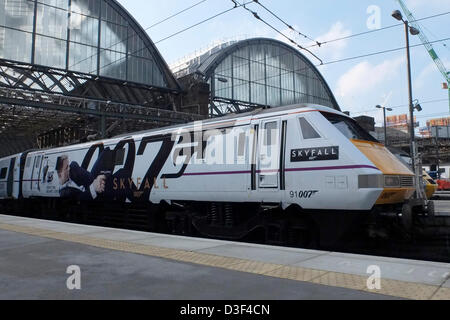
8 182
336 173
396 181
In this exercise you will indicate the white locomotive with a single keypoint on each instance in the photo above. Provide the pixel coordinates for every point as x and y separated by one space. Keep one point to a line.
227 176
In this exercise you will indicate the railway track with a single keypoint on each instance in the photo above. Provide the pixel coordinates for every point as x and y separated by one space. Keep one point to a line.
441 196
431 243
429 239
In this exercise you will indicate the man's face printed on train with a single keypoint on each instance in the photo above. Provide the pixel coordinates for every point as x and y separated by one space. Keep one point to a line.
63 173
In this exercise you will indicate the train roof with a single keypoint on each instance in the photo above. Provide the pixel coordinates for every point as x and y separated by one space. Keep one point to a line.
250 115
255 114
12 156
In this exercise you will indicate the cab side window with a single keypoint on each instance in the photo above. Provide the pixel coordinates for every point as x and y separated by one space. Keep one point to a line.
3 172
308 131
38 162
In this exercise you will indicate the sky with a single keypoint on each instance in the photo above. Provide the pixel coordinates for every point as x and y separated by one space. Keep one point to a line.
358 84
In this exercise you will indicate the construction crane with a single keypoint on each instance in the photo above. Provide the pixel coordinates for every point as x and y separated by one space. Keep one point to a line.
428 46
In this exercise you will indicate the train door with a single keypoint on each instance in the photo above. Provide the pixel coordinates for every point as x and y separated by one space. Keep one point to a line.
269 154
10 184
24 175
35 173
3 178
17 178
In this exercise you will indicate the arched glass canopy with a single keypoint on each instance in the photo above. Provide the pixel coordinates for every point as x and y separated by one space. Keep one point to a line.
260 71
96 37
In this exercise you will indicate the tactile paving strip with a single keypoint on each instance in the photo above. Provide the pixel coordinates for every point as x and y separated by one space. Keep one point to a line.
408 290
296 273
442 294
342 280
394 288
255 267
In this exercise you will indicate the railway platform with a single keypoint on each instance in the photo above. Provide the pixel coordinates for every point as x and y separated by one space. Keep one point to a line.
42 259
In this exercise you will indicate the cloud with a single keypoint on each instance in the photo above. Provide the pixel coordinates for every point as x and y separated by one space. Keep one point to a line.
424 74
430 70
367 84
365 76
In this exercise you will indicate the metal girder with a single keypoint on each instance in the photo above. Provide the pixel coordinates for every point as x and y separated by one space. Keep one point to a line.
427 148
42 116
214 108
221 106
72 83
100 108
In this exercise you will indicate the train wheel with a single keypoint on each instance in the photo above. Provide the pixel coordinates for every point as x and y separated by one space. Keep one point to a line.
303 233
431 209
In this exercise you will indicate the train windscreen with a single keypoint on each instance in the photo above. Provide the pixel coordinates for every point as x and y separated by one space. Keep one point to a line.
348 127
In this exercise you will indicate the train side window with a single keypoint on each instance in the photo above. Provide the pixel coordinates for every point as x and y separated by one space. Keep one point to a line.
270 129
28 162
241 144
120 157
3 173
308 131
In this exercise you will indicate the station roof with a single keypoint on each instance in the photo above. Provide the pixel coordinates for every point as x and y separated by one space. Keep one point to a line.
261 71
67 63
87 37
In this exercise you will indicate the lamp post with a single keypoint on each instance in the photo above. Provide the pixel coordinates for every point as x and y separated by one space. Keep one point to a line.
384 117
398 15
438 167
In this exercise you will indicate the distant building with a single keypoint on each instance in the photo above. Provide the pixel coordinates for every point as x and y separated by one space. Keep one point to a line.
394 136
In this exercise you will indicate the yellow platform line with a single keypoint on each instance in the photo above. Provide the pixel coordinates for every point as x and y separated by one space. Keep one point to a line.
389 287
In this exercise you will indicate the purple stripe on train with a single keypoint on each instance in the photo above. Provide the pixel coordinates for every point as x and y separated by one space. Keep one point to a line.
287 170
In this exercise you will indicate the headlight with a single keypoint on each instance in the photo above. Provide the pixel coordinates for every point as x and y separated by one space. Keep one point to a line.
371 181
392 182
377 181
